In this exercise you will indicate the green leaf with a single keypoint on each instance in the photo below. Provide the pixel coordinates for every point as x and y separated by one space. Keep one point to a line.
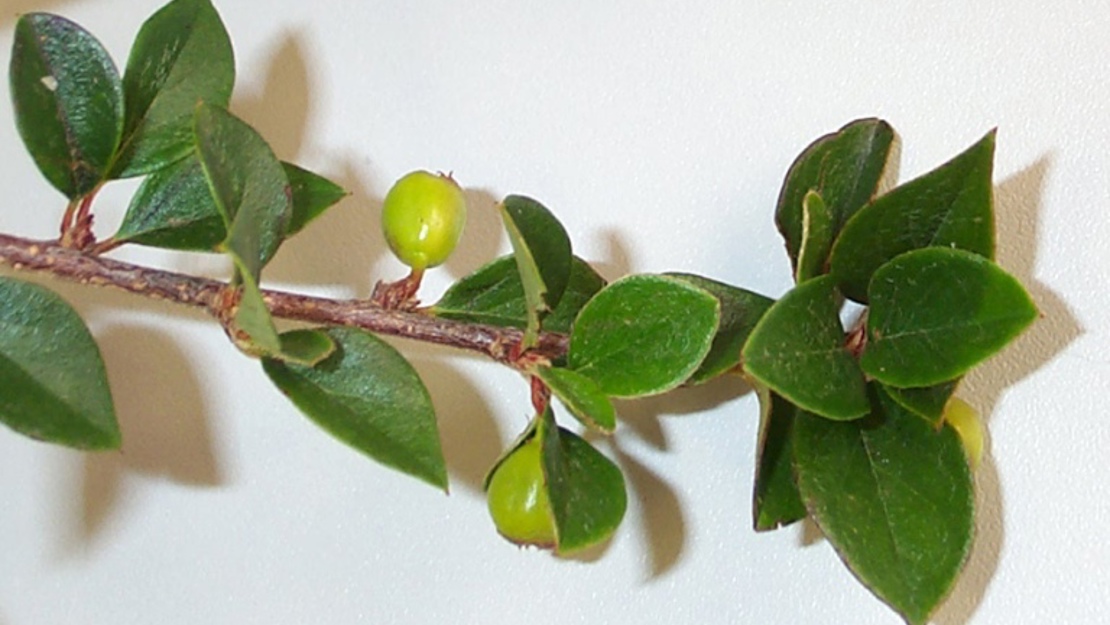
312 195
55 386
582 397
252 195
843 167
947 207
494 295
181 56
247 182
306 347
253 318
927 402
817 237
643 335
740 311
938 312
776 501
586 489
368 396
68 101
543 256
797 349
174 209
894 497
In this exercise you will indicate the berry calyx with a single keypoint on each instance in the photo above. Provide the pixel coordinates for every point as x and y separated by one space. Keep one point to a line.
965 420
423 218
517 498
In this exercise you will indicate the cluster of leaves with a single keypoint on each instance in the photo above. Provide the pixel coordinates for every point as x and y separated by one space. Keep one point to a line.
852 433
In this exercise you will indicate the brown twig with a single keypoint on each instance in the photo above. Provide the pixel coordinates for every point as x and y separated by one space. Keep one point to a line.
74 265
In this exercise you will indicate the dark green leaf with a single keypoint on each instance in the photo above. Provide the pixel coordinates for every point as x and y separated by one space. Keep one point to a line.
740 310
947 207
68 101
775 500
643 335
247 182
582 397
54 384
843 167
174 209
927 402
586 489
181 56
252 194
937 312
312 195
894 497
368 396
797 349
543 256
817 237
494 295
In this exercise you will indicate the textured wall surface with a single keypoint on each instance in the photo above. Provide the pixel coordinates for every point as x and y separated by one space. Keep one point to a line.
659 132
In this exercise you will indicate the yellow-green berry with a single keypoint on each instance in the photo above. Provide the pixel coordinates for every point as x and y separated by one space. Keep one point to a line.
517 498
423 218
965 420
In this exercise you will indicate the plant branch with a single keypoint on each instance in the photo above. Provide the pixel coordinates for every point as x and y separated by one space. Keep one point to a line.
70 264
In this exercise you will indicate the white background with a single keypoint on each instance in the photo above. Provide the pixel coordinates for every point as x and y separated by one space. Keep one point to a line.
659 132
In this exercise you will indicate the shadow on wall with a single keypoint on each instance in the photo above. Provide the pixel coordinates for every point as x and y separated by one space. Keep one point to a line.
163 418
338 249
1017 216
160 404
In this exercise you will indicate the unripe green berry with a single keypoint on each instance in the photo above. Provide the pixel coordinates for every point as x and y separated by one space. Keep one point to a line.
518 500
965 420
423 218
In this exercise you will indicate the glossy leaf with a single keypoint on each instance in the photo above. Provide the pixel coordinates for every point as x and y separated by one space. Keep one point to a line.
68 101
248 184
843 167
582 397
494 295
55 385
797 349
368 396
586 490
643 335
740 310
181 56
817 237
776 501
937 312
947 207
251 192
926 402
312 195
894 497
174 209
543 256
